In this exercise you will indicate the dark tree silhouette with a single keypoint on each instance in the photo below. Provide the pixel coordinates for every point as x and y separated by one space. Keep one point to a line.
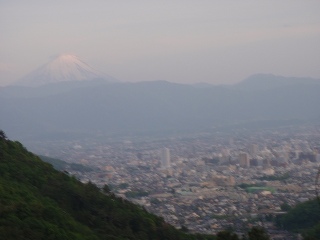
2 134
258 233
227 235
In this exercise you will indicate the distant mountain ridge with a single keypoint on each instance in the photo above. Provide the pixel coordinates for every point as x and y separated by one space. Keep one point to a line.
81 108
268 81
64 68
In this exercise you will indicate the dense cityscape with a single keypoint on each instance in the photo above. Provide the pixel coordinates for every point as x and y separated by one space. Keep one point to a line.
205 182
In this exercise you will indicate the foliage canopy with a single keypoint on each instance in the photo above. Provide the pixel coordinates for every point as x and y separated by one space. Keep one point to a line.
39 202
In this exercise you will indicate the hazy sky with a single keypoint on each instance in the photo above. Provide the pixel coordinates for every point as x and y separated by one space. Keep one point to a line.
178 40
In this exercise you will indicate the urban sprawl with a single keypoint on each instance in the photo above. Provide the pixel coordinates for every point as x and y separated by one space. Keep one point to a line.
204 182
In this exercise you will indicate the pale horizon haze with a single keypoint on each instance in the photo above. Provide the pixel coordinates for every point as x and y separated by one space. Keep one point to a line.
218 42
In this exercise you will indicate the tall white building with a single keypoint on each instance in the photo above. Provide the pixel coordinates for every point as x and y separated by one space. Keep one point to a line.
244 160
165 158
253 149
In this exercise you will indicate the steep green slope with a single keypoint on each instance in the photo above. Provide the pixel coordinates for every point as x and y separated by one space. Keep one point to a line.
303 218
39 202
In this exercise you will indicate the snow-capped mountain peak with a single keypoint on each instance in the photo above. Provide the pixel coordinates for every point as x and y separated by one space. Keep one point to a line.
65 67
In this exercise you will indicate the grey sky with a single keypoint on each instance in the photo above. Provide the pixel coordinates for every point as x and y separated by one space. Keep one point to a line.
179 40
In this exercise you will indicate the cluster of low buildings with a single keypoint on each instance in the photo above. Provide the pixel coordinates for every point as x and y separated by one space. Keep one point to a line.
206 182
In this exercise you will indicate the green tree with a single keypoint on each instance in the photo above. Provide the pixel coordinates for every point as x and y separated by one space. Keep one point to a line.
106 189
2 134
184 229
285 207
258 233
227 235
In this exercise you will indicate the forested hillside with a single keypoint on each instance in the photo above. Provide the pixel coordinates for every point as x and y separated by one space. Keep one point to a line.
39 202
303 218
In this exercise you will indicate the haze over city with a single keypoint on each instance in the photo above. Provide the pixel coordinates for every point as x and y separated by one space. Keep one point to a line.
218 42
160 119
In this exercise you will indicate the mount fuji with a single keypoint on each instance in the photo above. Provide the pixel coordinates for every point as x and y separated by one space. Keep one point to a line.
64 68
